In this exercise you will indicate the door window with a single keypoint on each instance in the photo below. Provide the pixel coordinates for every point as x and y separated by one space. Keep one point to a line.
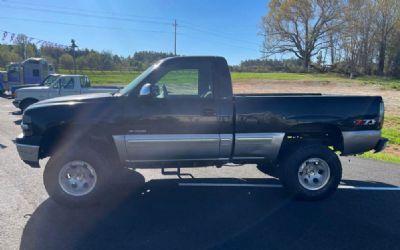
35 72
84 82
67 83
186 82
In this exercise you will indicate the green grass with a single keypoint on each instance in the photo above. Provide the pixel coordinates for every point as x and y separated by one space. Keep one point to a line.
386 82
391 129
382 157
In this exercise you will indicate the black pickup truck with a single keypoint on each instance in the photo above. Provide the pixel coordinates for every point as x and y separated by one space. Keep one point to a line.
181 112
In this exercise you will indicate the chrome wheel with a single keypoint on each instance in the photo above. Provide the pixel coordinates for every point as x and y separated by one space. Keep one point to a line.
314 174
77 178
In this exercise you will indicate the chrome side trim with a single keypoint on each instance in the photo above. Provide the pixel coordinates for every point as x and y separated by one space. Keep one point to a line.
119 141
225 145
162 147
29 153
355 142
172 138
258 145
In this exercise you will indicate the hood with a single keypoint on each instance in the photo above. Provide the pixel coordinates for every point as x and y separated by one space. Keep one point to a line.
30 89
72 99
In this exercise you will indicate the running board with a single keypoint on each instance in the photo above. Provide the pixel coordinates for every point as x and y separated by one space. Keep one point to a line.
171 172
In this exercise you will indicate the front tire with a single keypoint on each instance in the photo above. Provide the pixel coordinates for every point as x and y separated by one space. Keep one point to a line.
311 172
77 178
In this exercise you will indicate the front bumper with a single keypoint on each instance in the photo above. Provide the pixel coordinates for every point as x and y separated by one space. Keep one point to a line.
29 153
16 103
381 145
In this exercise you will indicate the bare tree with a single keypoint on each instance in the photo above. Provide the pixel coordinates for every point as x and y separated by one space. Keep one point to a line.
301 27
358 35
387 18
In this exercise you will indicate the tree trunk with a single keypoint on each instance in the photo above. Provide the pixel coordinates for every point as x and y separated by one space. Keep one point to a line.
306 64
381 60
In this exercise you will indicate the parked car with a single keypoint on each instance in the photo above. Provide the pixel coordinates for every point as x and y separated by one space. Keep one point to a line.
181 113
46 82
60 85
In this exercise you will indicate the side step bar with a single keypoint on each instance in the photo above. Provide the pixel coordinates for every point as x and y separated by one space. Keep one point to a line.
171 172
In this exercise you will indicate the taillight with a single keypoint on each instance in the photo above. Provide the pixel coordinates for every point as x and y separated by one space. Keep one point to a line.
381 113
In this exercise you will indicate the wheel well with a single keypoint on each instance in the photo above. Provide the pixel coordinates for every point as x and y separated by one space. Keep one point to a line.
24 101
330 136
62 137
29 99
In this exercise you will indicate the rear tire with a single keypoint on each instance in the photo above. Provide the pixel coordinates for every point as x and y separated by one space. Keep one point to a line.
77 178
311 172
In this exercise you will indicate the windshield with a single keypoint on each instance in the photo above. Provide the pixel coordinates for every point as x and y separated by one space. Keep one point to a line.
49 80
137 80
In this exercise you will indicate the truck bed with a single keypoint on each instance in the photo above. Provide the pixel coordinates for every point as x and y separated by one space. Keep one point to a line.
290 112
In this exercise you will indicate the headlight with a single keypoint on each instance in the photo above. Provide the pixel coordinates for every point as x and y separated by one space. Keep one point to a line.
26 119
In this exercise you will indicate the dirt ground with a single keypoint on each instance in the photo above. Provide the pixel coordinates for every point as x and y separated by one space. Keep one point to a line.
391 97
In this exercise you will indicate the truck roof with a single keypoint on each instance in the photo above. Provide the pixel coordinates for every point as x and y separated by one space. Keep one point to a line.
61 75
193 58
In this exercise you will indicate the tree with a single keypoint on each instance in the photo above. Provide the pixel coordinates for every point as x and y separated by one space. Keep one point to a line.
387 17
358 36
66 61
301 27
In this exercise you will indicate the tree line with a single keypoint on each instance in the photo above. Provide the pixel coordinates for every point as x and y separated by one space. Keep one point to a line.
88 59
350 36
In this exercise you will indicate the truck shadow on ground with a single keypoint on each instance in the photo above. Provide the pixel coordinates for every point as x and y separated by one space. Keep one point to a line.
160 214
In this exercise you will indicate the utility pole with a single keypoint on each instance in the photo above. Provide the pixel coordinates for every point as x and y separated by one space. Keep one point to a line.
73 47
25 45
175 24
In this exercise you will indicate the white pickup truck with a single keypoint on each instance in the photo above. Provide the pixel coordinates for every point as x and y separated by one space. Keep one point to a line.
62 85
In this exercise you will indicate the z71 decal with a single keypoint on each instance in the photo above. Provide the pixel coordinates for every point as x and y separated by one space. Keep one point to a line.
365 122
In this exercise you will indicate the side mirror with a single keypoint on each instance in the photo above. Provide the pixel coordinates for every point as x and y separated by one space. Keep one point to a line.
149 90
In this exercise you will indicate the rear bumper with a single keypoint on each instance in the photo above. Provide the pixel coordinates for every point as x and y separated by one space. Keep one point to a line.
357 142
381 145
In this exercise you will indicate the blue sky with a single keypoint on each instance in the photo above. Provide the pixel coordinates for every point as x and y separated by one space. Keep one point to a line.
206 27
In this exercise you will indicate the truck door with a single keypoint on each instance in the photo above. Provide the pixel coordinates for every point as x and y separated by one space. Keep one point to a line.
69 86
180 123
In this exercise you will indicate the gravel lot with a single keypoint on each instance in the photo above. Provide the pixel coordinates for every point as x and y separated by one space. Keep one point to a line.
227 208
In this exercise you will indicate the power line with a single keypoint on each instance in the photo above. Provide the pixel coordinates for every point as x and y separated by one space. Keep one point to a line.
88 11
134 20
220 34
82 25
131 18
